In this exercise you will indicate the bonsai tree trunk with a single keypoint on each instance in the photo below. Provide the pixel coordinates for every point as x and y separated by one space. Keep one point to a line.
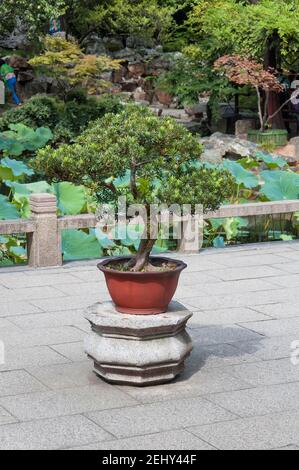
141 259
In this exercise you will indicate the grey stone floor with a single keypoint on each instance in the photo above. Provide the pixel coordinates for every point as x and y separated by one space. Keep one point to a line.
239 390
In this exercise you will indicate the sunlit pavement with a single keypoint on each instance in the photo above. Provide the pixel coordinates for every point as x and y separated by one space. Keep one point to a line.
240 388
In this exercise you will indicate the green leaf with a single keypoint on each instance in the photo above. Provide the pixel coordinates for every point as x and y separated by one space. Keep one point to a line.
219 242
77 244
16 167
18 252
71 199
286 238
270 161
7 210
280 185
242 176
122 181
104 240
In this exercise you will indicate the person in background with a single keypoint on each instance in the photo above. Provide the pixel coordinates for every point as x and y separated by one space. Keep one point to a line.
7 74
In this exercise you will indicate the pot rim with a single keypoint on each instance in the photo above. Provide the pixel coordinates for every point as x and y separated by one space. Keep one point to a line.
181 265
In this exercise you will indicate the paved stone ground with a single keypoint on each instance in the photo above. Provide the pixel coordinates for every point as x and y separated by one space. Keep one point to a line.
240 389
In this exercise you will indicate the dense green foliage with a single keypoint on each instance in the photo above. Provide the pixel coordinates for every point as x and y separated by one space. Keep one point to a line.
230 26
36 15
66 61
152 149
65 119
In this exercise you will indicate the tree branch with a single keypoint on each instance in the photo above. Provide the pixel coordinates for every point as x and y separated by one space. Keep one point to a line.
259 101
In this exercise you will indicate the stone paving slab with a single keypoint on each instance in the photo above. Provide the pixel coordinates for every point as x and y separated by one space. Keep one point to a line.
65 402
19 382
225 316
239 389
38 356
274 327
280 310
279 371
42 336
47 434
170 440
157 417
262 432
17 307
72 351
260 400
49 320
69 375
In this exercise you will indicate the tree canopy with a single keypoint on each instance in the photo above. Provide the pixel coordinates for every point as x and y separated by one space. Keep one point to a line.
35 15
252 28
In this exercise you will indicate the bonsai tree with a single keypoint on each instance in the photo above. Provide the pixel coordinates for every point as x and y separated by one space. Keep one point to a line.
243 71
160 157
71 67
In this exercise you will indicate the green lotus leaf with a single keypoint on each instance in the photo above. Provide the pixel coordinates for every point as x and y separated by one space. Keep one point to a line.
7 209
242 176
280 185
71 199
77 244
16 167
103 239
270 161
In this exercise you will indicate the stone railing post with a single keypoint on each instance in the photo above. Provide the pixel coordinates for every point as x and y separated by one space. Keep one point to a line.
191 235
44 247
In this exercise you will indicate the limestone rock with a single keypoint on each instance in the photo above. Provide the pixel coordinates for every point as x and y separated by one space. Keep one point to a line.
94 45
136 69
219 145
163 97
19 63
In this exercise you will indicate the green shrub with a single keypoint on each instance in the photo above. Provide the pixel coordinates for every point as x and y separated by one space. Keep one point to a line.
77 115
39 111
66 120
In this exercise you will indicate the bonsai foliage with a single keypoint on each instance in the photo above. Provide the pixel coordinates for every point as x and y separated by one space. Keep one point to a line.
157 160
71 67
243 71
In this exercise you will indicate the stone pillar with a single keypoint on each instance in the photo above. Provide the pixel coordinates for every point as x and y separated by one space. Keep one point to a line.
44 247
2 93
191 234
138 349
243 126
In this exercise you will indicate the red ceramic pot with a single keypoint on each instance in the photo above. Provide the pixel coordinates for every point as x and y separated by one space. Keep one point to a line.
142 293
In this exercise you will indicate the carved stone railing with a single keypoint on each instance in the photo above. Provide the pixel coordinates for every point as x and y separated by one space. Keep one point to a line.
43 229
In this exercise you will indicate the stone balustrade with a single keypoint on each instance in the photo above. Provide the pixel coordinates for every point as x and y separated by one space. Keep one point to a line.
43 229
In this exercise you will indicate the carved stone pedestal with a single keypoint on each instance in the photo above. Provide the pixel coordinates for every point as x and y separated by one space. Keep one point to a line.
138 349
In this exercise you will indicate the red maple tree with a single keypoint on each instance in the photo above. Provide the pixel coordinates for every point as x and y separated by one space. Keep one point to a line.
244 71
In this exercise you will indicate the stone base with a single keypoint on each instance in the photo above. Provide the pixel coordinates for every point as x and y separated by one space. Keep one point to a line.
138 349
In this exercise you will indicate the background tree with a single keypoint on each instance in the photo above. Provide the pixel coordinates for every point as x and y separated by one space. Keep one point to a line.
243 71
35 15
65 60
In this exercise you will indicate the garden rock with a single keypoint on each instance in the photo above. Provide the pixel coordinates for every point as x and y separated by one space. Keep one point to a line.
94 45
19 63
219 145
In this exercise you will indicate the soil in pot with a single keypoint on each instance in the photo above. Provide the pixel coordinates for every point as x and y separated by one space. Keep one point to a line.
146 292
